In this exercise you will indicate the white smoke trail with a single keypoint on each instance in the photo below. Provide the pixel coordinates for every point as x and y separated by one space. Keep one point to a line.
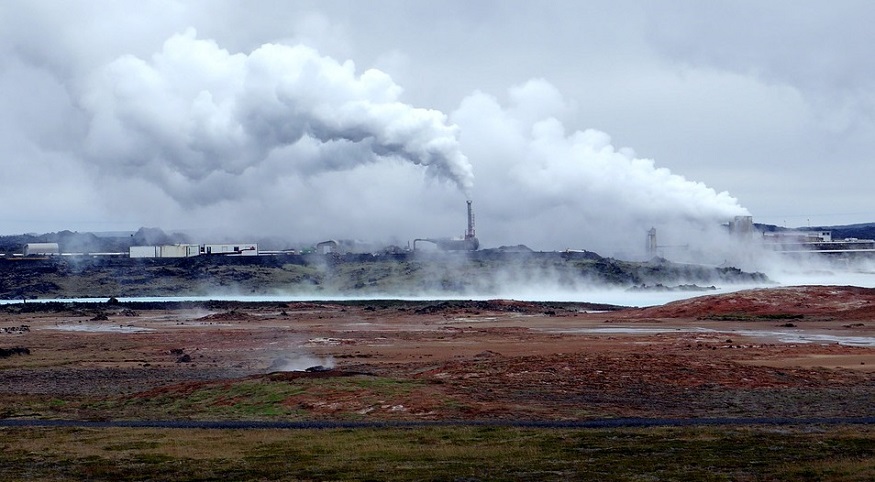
281 129
575 189
194 113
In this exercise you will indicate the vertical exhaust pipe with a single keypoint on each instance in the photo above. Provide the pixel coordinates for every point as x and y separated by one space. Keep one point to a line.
470 233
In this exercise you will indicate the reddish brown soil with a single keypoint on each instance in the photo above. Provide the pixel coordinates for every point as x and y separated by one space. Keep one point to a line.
847 302
717 355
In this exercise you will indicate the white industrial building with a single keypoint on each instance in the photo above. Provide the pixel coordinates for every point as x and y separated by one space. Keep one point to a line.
189 250
42 249
166 251
238 249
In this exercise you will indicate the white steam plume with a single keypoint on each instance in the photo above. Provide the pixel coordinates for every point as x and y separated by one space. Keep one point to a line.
575 189
284 133
299 362
194 112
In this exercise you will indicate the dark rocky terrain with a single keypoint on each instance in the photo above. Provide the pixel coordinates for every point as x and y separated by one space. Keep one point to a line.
482 273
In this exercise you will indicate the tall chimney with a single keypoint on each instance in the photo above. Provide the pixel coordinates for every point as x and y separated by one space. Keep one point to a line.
470 233
651 243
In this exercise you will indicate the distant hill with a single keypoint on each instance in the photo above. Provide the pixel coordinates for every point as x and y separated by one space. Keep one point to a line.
485 272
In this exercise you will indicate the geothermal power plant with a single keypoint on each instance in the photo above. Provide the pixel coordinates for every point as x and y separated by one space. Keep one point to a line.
742 229
468 242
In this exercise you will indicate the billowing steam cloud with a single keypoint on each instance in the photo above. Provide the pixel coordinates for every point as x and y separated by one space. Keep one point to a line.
194 114
575 189
286 143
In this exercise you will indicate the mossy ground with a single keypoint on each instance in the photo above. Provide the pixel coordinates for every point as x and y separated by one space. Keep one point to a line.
439 453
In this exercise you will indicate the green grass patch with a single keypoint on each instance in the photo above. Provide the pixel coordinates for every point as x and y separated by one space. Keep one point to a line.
254 399
440 453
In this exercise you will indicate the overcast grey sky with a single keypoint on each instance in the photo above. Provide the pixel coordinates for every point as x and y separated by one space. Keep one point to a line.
570 124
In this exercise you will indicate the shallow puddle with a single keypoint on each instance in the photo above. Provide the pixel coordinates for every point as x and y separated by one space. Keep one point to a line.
98 328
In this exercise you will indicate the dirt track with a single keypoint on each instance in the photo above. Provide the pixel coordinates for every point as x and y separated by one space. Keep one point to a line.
707 357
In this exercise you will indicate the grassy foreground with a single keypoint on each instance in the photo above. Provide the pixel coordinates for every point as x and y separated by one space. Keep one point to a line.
440 453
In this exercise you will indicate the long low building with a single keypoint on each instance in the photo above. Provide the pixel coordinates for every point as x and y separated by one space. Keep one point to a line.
42 249
189 250
238 249
814 241
165 251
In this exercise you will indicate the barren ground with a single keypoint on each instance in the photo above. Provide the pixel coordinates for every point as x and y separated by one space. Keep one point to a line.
783 352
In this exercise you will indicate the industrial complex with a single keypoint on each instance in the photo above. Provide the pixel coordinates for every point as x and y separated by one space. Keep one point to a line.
741 228
467 242
782 241
798 241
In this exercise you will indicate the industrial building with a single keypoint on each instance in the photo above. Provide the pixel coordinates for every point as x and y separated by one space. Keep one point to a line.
815 241
42 249
349 246
189 250
240 249
743 231
742 227
468 242
166 251
798 241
